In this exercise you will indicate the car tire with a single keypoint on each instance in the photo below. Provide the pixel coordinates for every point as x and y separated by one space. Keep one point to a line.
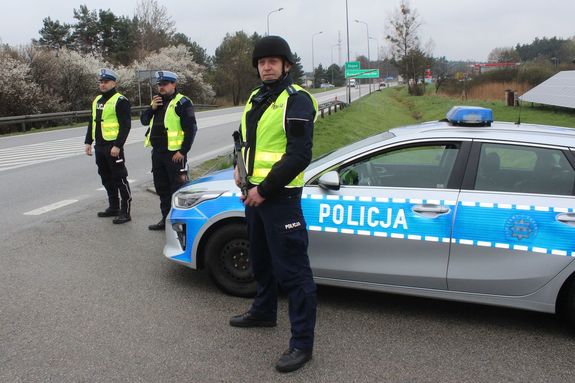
566 307
228 261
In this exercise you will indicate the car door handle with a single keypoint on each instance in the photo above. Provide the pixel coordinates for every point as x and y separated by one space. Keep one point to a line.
430 209
568 219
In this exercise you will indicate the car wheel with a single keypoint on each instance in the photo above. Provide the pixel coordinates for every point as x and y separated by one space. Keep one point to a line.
228 260
566 305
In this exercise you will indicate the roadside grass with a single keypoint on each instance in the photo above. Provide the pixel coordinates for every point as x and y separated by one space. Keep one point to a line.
211 165
393 107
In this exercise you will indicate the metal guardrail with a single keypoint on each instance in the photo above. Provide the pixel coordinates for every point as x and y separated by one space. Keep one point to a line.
29 118
327 107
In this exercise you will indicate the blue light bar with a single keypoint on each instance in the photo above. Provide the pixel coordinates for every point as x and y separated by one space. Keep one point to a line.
470 115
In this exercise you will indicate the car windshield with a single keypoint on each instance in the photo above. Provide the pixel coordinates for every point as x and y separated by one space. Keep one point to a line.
334 154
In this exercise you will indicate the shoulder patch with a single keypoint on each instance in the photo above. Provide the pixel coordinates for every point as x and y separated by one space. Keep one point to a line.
291 90
184 100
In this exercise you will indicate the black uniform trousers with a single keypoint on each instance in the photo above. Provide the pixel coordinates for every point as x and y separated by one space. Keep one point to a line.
169 176
114 176
278 250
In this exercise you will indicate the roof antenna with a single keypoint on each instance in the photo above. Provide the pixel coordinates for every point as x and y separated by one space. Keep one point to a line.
519 112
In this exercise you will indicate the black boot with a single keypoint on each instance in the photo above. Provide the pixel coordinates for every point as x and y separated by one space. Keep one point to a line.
250 320
161 225
122 218
293 359
124 215
109 212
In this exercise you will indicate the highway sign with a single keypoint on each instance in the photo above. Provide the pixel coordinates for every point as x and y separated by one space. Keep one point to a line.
362 73
352 65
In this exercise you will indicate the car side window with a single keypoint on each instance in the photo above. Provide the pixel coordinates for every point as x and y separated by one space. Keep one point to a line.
524 169
421 166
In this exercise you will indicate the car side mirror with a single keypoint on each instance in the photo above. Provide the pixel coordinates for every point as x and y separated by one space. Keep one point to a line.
329 180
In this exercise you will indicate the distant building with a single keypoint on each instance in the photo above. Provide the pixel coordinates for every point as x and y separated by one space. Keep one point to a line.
307 80
486 67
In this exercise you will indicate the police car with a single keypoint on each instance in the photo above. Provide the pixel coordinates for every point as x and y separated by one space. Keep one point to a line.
465 209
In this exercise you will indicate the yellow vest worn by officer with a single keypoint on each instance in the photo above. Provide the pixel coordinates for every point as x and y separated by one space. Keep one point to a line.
271 140
173 125
109 120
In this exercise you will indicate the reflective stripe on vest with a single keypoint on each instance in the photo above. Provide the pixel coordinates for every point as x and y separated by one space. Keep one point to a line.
109 121
173 125
271 138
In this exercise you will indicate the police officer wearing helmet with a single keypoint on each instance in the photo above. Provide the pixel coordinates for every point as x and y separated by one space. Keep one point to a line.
277 130
109 126
171 133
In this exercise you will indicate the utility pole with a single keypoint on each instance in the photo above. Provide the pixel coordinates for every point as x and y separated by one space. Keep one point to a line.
347 28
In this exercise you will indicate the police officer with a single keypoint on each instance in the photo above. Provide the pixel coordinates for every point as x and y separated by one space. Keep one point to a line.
109 127
171 134
277 128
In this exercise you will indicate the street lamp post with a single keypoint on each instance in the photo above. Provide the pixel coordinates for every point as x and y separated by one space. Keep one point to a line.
377 48
312 59
368 55
275 10
348 88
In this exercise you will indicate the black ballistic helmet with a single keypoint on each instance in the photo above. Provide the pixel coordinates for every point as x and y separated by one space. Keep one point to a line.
270 46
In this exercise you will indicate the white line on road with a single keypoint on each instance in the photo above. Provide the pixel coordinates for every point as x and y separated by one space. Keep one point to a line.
51 207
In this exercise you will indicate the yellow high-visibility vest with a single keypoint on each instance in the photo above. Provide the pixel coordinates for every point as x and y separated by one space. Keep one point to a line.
271 137
173 125
109 120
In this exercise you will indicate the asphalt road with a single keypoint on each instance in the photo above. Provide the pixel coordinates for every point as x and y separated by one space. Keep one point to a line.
43 174
84 300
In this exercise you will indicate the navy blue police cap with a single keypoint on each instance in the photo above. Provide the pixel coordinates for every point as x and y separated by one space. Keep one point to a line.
108 74
165 75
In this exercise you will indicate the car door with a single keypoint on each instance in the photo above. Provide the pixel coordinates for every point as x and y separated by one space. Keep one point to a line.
514 227
390 221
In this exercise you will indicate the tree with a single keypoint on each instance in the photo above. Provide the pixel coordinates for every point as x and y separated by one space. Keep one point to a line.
335 75
503 55
319 76
155 26
234 74
86 35
191 75
124 37
53 34
199 54
406 50
296 71
19 92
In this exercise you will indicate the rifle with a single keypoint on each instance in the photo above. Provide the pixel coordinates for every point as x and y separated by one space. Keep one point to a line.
240 163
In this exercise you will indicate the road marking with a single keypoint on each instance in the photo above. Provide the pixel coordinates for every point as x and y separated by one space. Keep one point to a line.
51 207
129 181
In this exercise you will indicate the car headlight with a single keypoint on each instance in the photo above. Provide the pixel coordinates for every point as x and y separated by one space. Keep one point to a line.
187 199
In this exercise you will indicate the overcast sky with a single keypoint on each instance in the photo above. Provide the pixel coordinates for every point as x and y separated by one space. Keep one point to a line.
459 29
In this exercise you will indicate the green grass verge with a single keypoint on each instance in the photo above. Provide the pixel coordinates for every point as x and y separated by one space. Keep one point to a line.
393 107
218 163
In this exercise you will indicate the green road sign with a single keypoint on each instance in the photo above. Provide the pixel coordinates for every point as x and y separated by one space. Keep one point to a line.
362 73
352 65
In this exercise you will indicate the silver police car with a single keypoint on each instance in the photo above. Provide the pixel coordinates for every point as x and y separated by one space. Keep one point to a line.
464 209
